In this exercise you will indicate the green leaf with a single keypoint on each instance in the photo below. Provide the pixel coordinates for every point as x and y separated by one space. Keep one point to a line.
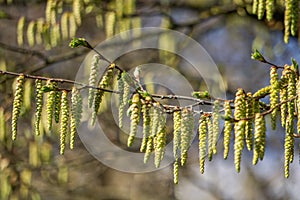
76 42
256 55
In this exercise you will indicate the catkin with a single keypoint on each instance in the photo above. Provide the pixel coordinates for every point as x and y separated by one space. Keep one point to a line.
93 78
288 16
239 128
248 123
209 138
31 33
110 20
270 9
295 17
288 146
104 83
121 103
39 105
64 120
77 11
261 9
2 125
64 25
259 138
160 140
176 133
57 100
227 128
255 6
146 123
298 106
274 95
262 92
187 127
50 104
176 170
17 104
20 31
283 97
134 117
73 26
202 141
215 125
76 113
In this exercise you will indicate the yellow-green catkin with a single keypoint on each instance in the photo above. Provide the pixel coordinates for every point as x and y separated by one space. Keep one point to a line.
274 95
76 113
93 79
176 171
110 21
64 120
259 138
121 102
31 33
202 141
73 26
298 106
261 9
215 125
160 140
104 83
239 128
77 11
64 25
262 92
255 6
291 92
135 110
39 105
27 95
227 127
209 138
20 31
187 127
146 122
288 16
295 17
283 97
288 146
57 100
249 121
2 125
50 104
176 133
39 30
270 4
17 104
119 8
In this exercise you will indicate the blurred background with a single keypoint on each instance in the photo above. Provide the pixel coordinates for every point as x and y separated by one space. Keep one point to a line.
34 39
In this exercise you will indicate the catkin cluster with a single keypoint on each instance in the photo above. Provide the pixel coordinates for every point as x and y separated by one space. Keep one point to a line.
104 83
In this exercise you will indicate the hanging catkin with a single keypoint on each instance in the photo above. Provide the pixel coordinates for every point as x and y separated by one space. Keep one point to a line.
274 95
259 138
64 120
76 113
215 125
39 105
187 127
288 15
104 83
202 141
146 122
17 104
93 79
176 133
50 103
283 97
270 9
239 128
249 121
261 9
160 140
135 110
227 128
